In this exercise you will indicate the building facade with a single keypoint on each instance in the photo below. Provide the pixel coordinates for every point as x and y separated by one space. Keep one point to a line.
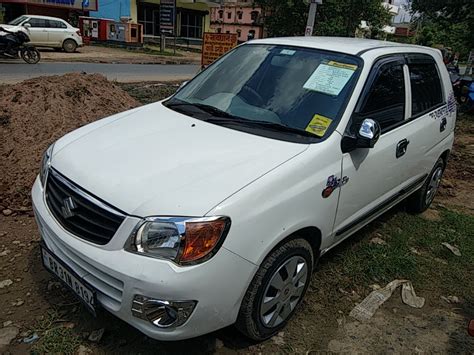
238 16
192 16
68 10
116 10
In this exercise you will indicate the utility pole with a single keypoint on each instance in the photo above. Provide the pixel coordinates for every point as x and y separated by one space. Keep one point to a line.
311 16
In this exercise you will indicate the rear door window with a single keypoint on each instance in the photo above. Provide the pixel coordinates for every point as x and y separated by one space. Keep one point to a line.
385 102
56 24
426 88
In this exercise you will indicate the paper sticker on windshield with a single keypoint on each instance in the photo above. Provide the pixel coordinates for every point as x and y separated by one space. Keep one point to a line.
287 52
330 78
343 65
318 125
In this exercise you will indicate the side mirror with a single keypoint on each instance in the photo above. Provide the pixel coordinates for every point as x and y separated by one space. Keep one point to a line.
367 133
27 25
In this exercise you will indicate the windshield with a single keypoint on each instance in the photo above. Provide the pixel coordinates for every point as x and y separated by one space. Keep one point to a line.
17 21
297 91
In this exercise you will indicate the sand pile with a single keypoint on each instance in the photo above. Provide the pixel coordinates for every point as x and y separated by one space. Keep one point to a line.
35 113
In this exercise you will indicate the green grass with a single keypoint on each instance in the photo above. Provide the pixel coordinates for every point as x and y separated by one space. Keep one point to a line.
436 268
54 339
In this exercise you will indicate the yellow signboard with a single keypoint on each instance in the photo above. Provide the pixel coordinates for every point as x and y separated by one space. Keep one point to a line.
215 45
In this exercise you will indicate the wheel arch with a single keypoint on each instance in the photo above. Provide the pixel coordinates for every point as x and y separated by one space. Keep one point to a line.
311 234
445 156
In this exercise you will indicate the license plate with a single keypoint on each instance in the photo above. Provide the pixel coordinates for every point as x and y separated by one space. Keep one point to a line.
85 293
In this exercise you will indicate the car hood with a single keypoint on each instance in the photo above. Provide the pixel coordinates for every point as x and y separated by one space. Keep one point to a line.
155 161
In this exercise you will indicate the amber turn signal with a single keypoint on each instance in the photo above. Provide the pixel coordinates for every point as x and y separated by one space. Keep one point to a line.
202 238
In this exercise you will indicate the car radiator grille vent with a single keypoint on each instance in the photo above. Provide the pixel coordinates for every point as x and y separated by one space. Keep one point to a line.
79 212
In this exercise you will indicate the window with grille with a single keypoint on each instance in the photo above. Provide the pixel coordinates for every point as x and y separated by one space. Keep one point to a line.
191 24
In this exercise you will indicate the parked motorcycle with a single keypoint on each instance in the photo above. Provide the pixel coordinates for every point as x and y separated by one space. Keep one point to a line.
466 99
463 89
15 45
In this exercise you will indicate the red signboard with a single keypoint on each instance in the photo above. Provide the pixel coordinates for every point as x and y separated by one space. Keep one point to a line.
215 45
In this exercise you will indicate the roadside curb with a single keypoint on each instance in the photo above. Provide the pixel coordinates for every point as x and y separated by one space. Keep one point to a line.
148 62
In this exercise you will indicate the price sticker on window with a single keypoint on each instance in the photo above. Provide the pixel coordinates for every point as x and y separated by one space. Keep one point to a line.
330 78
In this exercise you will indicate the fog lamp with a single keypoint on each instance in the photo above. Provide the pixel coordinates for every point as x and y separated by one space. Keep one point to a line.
162 313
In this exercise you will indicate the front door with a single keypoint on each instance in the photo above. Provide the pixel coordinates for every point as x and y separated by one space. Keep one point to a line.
377 174
38 31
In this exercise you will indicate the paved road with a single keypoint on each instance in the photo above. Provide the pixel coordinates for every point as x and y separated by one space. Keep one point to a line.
13 72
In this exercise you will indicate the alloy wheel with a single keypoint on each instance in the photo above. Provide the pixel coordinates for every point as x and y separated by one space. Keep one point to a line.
284 291
433 185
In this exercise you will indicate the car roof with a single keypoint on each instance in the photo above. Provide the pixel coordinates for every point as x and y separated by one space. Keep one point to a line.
337 44
46 17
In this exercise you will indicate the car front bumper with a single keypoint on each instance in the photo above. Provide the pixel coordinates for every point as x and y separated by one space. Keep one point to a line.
218 285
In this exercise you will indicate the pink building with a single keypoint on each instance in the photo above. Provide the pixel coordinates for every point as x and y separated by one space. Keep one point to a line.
238 16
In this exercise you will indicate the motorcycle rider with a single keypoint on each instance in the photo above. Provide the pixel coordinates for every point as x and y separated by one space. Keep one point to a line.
8 38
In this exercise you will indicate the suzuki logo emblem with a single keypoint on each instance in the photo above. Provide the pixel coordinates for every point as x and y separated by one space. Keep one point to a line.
68 207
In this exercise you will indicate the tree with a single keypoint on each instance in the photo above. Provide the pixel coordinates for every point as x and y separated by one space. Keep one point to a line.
333 18
444 23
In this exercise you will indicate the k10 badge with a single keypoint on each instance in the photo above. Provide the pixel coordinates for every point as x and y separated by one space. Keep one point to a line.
333 183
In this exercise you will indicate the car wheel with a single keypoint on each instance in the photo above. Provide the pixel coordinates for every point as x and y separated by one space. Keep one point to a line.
422 199
276 290
69 46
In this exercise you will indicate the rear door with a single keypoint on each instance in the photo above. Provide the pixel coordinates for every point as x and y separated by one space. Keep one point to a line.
57 32
375 176
38 31
431 116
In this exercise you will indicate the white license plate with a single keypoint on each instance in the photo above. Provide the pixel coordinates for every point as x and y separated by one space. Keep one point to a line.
84 292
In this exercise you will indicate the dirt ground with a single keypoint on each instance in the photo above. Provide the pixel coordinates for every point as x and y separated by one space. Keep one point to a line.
101 54
34 303
35 113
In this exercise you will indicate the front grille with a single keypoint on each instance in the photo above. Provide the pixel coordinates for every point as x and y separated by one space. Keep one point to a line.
109 287
79 212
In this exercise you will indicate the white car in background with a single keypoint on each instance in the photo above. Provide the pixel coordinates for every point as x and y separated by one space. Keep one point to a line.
50 32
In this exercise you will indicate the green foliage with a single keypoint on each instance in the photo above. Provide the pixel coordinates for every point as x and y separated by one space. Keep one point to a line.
444 23
333 18
455 35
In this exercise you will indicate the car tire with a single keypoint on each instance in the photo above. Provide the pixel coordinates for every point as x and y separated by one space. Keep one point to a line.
422 199
69 46
276 291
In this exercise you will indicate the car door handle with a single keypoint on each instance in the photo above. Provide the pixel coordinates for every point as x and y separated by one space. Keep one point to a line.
402 148
443 124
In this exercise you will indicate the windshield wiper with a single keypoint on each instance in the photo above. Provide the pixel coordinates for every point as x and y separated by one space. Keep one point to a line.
203 107
219 116
271 125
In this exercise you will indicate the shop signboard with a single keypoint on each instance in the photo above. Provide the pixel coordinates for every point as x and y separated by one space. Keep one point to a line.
215 45
86 5
167 17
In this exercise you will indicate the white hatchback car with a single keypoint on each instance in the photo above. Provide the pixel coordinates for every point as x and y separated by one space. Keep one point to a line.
212 207
50 32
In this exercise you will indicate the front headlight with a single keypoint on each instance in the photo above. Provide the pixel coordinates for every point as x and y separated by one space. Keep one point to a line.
184 240
45 163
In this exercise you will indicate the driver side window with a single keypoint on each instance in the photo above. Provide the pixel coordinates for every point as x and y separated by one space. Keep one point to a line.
385 102
37 23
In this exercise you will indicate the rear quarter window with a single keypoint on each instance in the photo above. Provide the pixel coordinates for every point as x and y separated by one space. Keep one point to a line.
426 87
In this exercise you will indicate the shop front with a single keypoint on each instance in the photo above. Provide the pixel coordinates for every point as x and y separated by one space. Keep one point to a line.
68 10
192 18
